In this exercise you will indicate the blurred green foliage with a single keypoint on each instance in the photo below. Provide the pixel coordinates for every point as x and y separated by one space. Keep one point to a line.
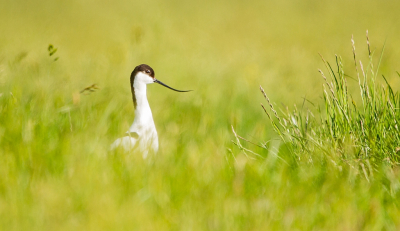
56 171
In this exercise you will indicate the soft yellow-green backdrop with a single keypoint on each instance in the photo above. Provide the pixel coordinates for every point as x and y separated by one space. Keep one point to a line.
57 173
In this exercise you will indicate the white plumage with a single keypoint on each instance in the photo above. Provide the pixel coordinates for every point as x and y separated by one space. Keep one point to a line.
142 135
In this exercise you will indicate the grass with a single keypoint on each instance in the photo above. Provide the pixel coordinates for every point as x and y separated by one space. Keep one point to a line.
345 131
353 142
57 173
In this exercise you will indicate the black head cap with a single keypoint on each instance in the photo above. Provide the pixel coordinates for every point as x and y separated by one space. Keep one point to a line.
143 68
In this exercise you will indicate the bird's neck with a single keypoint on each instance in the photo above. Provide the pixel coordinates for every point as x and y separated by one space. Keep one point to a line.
143 116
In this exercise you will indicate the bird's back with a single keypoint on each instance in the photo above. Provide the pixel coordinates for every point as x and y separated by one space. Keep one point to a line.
135 143
127 143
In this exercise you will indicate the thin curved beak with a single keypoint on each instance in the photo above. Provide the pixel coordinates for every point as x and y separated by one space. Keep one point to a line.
159 82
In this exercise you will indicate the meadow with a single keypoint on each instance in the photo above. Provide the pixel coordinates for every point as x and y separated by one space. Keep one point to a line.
310 166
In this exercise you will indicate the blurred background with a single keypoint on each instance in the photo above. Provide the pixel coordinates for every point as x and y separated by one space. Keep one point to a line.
54 139
223 50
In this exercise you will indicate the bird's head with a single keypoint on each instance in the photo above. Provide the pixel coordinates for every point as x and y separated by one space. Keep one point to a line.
145 74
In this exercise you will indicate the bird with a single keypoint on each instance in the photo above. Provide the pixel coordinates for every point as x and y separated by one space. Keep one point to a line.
142 134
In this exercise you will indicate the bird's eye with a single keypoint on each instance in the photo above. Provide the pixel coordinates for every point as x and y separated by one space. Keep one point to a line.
148 71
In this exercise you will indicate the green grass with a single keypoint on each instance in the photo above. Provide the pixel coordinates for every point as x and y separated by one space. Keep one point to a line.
56 171
367 131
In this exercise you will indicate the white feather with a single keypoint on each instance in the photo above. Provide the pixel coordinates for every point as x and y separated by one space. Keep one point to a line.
143 124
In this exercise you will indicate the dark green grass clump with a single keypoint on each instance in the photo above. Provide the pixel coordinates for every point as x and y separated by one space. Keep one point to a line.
363 134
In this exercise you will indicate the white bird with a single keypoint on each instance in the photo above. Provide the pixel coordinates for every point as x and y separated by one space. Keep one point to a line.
142 135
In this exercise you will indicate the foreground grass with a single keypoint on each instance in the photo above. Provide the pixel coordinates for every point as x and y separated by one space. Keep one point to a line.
344 139
344 130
